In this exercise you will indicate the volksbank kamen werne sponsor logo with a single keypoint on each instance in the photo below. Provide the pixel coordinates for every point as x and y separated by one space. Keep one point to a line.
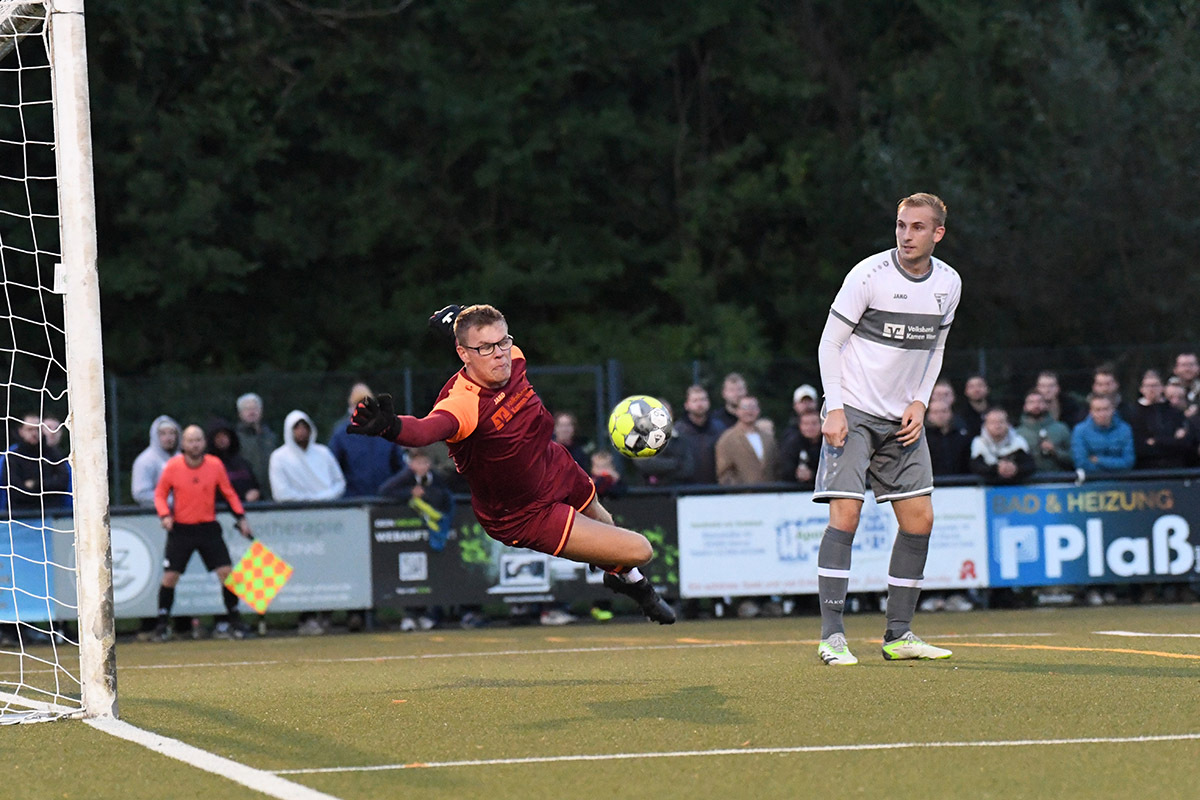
902 332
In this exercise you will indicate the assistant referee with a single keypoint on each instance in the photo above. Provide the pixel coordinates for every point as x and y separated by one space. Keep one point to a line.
194 478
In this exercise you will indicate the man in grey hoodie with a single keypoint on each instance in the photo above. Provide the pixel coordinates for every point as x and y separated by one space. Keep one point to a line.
148 466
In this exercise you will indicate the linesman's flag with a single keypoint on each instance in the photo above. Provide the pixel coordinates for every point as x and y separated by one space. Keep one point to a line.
259 576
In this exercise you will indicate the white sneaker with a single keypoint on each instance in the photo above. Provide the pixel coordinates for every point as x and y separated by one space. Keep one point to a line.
311 627
911 646
835 652
958 602
932 604
426 623
556 616
408 624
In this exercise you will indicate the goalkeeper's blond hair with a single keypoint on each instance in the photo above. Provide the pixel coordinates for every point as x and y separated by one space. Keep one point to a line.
476 316
929 201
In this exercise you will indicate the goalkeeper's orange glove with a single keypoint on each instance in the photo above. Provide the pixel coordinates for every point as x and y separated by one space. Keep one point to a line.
373 417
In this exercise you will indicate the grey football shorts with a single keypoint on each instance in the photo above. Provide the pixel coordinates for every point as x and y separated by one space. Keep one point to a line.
871 448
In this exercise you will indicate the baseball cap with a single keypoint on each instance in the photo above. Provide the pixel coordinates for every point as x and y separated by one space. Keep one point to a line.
804 391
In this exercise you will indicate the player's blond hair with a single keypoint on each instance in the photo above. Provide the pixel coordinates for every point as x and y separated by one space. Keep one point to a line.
928 201
476 316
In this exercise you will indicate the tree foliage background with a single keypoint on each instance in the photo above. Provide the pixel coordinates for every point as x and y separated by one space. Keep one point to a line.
296 185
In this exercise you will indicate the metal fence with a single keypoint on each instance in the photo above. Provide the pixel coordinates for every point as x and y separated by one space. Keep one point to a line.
587 390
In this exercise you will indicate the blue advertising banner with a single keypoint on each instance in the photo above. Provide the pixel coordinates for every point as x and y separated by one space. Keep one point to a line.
1096 533
27 572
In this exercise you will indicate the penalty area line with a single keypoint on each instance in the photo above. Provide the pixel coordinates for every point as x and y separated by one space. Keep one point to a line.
1145 635
748 751
269 783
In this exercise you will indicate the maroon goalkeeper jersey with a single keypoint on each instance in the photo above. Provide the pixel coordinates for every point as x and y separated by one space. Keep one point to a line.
504 443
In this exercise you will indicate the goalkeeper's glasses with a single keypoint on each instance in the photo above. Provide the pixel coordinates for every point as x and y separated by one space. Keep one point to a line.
504 344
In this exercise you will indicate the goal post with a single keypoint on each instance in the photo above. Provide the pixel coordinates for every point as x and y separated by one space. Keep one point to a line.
51 305
85 359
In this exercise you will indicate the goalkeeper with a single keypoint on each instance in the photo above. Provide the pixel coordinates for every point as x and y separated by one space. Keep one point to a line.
526 490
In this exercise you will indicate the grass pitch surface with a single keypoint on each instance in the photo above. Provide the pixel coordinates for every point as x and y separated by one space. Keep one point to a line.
1033 704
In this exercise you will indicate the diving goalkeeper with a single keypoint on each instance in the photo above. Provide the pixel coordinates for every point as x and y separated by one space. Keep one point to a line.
526 489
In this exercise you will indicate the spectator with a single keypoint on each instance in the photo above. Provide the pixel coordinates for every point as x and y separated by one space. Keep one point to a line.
419 486
256 439
53 430
302 469
999 454
1049 439
148 466
699 431
672 465
192 480
1103 442
946 435
1176 395
603 469
800 449
1105 384
943 390
35 473
1161 437
1058 405
746 454
566 432
733 389
223 443
805 398
976 391
1187 370
367 462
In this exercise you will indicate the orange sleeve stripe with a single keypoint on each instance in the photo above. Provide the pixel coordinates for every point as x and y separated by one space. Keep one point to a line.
591 497
463 404
566 534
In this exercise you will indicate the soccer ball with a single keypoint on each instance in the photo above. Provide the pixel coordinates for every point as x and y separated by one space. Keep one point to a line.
639 426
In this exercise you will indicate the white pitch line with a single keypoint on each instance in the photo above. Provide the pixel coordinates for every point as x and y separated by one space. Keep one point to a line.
269 783
545 651
1141 634
746 751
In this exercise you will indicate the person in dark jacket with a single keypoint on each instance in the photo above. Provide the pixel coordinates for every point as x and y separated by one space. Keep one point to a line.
949 445
223 442
698 431
1161 436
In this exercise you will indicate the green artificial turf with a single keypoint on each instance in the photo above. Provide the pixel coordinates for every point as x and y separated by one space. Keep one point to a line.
371 700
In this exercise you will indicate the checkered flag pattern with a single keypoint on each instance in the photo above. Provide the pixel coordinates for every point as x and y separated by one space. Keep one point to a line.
259 576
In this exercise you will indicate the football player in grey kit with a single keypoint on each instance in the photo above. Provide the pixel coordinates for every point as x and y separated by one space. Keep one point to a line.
880 353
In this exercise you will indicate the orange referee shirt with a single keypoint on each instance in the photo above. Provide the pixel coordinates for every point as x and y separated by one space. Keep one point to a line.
195 490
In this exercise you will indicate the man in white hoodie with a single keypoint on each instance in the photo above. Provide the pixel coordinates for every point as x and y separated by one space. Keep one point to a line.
148 466
301 469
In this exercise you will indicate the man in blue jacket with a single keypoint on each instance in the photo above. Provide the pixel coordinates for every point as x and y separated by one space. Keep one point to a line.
1103 442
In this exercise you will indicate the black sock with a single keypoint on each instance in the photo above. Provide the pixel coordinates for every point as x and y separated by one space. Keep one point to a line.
166 599
231 601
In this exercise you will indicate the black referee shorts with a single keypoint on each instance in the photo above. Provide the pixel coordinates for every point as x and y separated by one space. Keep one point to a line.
205 538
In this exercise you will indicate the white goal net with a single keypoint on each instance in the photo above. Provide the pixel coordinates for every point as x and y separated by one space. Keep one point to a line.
56 651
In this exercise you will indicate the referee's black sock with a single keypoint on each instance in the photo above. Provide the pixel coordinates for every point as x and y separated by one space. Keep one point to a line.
232 614
166 599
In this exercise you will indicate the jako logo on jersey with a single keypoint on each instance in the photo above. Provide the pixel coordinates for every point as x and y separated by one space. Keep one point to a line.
902 296
893 330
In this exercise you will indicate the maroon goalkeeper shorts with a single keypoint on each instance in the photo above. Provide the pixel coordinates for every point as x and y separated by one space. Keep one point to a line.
545 524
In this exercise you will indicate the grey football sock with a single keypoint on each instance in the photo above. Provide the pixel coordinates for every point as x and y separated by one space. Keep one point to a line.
905 573
833 578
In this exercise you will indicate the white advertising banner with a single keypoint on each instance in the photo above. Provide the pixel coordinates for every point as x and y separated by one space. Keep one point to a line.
766 544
